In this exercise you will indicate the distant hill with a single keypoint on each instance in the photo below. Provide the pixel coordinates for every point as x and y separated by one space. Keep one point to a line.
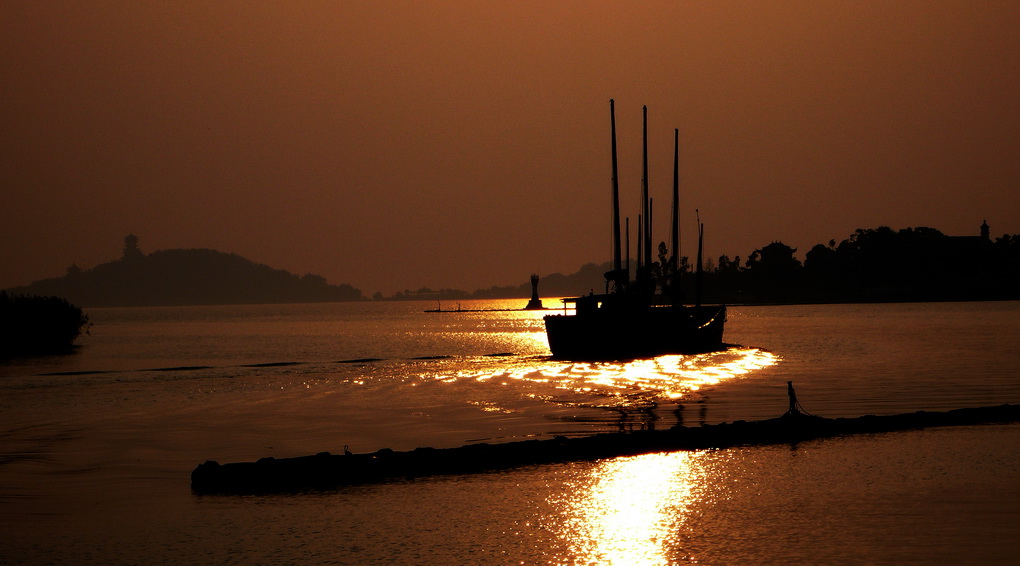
186 277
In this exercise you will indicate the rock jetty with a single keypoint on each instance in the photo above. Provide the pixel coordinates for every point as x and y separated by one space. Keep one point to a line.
328 471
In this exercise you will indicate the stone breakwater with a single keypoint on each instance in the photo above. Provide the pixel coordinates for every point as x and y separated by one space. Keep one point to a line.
327 471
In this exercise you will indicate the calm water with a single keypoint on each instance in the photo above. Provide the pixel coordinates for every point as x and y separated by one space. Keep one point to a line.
96 448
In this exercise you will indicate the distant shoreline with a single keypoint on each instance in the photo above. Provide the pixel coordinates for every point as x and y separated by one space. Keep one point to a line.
878 265
556 307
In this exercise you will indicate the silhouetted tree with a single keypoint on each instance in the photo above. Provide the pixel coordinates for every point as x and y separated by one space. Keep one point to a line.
32 325
725 265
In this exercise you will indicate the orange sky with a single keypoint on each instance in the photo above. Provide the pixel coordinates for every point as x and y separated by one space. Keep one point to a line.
391 145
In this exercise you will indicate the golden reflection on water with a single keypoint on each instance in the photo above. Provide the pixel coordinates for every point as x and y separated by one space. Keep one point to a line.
668 378
632 510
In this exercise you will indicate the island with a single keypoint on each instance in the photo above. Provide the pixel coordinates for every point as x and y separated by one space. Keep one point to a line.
178 277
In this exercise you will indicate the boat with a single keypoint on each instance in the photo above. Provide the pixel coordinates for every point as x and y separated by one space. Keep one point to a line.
645 316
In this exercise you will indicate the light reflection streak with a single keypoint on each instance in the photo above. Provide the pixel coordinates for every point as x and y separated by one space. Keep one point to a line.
632 510
668 378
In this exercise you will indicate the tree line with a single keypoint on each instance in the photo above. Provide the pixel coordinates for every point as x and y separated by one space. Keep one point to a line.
871 265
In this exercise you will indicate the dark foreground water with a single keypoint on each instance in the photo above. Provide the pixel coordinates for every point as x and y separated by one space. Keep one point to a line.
96 448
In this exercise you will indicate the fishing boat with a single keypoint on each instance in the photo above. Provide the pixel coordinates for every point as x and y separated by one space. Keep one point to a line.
645 316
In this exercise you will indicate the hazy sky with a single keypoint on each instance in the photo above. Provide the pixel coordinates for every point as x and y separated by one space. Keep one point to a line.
391 145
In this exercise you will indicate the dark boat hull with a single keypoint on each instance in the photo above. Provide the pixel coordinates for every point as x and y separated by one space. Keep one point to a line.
609 334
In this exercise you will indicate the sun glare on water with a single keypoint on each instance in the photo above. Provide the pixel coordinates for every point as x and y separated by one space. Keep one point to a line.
665 378
630 510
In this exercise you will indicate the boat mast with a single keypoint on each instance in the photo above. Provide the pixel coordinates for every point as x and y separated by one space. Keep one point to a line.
616 195
647 226
701 242
648 242
674 243
640 246
628 247
673 279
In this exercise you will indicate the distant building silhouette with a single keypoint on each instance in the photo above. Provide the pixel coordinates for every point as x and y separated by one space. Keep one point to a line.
972 253
984 237
131 250
971 249
776 253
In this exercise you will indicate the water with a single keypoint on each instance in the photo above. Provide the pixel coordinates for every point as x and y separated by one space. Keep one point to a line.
96 447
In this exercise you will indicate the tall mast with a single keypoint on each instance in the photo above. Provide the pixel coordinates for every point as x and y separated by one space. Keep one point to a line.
628 247
675 227
651 216
646 226
616 195
701 242
640 245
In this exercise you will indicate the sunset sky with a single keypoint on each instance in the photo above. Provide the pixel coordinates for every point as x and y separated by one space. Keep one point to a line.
393 145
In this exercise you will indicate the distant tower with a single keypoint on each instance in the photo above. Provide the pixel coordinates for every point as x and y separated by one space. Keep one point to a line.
535 303
131 250
985 230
